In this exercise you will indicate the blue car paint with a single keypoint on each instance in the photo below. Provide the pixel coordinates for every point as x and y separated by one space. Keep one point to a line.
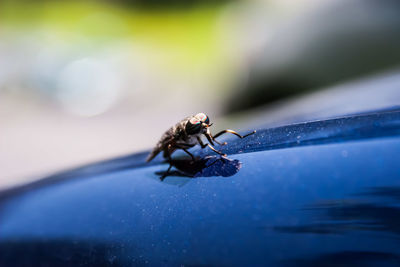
306 194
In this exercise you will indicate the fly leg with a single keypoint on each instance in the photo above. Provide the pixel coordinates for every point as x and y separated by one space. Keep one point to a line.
232 132
210 146
216 151
168 155
183 147
219 143
165 174
190 154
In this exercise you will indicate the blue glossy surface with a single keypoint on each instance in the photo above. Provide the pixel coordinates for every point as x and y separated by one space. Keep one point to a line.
300 205
355 127
304 194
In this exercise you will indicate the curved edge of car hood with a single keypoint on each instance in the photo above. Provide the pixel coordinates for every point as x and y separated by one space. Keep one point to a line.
348 128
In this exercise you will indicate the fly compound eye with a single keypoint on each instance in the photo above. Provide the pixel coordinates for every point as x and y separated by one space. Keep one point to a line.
195 120
193 126
207 121
203 118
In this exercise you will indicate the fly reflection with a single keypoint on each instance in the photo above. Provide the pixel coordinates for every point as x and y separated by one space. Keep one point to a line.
204 167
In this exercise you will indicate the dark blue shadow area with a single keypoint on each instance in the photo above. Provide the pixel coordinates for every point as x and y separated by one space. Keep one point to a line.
65 252
364 213
255 217
208 166
348 259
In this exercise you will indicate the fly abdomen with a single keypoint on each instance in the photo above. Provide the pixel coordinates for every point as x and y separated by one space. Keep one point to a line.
153 153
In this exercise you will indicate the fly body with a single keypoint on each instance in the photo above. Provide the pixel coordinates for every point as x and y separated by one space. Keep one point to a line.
186 134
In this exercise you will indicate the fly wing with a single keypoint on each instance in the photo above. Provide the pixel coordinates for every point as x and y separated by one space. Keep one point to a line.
154 153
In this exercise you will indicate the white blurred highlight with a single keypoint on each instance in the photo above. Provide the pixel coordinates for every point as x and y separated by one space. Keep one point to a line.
88 87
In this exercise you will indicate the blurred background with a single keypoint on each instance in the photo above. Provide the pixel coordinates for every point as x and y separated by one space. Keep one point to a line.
82 81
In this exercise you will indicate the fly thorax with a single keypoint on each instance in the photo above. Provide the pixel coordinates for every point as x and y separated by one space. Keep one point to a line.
190 139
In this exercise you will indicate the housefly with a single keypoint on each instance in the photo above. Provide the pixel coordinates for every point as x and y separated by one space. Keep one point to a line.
186 134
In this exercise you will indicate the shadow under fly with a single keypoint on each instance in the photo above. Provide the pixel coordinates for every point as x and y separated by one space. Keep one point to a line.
186 134
203 167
